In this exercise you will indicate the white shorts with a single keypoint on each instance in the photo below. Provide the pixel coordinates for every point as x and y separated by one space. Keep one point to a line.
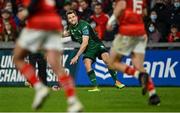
33 40
125 45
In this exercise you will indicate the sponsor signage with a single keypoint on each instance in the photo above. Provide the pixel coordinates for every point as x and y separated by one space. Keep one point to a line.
162 65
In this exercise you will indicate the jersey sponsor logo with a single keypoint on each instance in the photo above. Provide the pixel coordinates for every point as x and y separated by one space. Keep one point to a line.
85 32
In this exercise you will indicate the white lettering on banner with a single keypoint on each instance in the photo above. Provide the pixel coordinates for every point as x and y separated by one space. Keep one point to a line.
6 62
10 75
166 68
13 75
170 68
65 57
51 76
8 72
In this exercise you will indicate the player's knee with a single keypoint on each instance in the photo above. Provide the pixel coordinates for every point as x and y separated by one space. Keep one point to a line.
88 66
110 65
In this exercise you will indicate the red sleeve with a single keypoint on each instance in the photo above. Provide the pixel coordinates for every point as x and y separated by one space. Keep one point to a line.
170 38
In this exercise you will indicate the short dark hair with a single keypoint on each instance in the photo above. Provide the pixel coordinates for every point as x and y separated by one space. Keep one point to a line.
98 4
71 12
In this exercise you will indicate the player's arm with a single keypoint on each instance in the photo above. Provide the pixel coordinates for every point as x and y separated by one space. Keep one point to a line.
120 6
29 9
81 49
84 44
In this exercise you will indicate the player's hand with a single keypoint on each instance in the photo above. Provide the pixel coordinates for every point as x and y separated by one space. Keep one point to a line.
109 27
74 60
65 33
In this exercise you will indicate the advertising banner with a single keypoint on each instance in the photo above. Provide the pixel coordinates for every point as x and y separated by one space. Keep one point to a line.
10 76
162 65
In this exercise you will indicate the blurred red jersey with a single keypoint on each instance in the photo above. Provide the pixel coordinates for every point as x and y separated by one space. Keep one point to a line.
131 20
45 17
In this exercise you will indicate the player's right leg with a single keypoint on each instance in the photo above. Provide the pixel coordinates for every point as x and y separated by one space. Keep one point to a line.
23 45
65 80
29 73
54 46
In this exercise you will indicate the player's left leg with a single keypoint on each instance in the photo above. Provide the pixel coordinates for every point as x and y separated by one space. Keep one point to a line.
144 78
137 60
91 74
105 57
53 46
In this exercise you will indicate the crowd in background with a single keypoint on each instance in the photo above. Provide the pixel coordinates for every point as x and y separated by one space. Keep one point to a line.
162 20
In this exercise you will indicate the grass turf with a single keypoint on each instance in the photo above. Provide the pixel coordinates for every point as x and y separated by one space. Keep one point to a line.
109 99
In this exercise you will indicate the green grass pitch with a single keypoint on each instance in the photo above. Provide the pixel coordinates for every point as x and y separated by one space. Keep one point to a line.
109 99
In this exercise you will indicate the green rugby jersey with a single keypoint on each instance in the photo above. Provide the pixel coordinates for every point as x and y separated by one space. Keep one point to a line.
84 29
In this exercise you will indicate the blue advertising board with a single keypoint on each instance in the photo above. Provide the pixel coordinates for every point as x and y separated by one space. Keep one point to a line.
162 65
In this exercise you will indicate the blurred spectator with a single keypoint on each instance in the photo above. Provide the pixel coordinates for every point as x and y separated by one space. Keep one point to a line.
153 34
62 12
101 19
12 5
109 35
174 14
8 6
93 3
107 5
161 8
2 3
174 35
113 6
160 25
85 10
19 23
8 28
66 7
75 6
